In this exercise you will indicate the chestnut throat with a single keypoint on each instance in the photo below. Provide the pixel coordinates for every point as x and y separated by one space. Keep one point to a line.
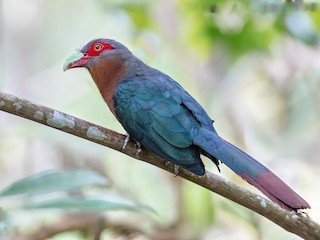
107 74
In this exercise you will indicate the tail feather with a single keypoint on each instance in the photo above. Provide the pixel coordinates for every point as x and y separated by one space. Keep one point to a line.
250 170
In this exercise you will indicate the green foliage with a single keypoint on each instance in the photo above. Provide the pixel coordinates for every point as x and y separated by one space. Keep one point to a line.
300 25
245 26
35 192
138 14
87 204
136 10
54 181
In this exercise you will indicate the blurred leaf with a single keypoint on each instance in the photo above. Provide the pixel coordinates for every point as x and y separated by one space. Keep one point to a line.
199 208
138 14
88 204
137 10
4 221
53 181
299 25
315 18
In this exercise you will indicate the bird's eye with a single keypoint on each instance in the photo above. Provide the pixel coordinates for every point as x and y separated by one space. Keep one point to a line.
97 47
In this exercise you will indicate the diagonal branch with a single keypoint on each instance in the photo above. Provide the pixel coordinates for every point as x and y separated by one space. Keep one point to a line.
297 223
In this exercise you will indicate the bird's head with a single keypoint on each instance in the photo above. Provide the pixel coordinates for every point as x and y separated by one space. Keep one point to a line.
109 63
94 52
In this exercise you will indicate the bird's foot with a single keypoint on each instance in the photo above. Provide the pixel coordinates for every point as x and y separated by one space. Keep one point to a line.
176 169
139 149
137 144
126 140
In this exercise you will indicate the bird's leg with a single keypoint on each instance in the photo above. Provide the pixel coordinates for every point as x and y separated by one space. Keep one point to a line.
176 169
126 140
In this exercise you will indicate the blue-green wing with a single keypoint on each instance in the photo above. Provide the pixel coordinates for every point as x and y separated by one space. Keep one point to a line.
155 114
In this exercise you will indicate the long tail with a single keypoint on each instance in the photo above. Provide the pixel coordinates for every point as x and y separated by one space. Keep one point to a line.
250 170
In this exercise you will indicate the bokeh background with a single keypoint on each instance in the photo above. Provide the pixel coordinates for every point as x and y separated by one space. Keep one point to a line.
253 65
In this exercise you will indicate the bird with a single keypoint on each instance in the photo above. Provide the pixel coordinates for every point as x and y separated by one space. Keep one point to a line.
164 118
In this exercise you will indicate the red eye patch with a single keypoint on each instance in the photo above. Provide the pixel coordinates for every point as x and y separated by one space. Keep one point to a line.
97 48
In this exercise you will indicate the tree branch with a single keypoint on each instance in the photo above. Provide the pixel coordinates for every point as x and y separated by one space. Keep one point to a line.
297 223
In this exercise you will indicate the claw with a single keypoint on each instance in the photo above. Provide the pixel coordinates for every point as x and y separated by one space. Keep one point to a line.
139 149
126 140
176 169
138 146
